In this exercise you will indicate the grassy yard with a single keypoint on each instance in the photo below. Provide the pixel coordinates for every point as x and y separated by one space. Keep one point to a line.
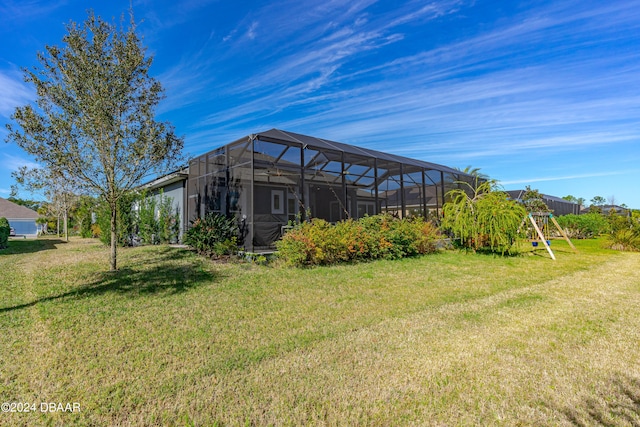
446 339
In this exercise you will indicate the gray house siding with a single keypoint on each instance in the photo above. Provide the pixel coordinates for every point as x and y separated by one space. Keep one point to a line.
24 227
172 186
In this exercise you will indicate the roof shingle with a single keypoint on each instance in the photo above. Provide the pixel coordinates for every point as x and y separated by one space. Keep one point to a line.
10 210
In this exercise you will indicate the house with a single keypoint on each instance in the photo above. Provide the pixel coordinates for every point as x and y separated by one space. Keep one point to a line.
269 179
607 209
21 218
558 206
172 186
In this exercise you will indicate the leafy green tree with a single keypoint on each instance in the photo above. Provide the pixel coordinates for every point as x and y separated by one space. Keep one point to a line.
598 201
31 204
577 200
533 201
94 122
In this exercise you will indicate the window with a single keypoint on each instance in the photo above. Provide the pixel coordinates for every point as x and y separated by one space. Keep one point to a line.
277 202
366 208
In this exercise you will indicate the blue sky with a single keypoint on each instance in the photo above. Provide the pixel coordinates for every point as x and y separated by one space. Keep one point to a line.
540 93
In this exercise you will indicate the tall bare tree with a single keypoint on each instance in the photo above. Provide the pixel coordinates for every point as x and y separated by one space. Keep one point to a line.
94 118
59 190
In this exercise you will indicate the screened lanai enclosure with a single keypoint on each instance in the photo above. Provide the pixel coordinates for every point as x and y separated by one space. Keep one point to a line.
270 179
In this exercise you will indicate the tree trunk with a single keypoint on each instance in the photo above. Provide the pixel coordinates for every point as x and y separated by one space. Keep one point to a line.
66 226
114 216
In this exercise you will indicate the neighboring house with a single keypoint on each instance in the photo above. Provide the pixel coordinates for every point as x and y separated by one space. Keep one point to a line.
271 178
21 218
558 205
606 209
172 185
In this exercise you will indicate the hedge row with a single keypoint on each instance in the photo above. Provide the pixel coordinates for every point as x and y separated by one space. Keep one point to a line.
583 226
319 242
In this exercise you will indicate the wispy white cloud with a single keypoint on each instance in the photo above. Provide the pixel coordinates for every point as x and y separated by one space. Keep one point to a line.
505 111
13 163
567 177
187 80
333 33
174 14
555 81
20 10
299 59
429 11
251 32
13 92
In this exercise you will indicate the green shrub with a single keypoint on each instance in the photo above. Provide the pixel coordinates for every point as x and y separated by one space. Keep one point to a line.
213 235
583 226
168 221
296 248
318 242
146 221
619 222
86 206
152 222
156 223
487 219
5 229
126 220
499 220
625 240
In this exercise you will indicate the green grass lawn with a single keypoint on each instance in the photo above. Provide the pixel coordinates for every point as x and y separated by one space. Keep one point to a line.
445 339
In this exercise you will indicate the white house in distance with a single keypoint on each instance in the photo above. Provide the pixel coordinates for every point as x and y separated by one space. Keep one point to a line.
22 219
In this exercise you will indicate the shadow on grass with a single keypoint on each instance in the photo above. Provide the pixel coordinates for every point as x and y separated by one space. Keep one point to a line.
543 253
152 276
618 405
16 246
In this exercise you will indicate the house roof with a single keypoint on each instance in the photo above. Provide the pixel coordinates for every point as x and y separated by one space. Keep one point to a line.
179 175
518 194
325 144
10 210
608 208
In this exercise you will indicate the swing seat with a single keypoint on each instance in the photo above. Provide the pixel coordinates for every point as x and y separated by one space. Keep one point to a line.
534 243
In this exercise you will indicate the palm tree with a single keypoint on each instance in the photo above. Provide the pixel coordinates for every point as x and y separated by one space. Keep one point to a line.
474 172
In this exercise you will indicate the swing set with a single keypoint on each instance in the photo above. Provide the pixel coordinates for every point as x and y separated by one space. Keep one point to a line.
539 232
